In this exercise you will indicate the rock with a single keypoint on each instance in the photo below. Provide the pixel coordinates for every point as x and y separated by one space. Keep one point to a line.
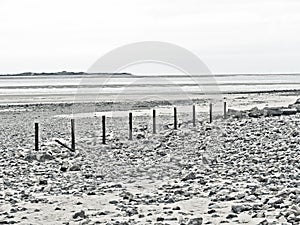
235 113
113 202
272 111
211 211
240 208
195 221
288 111
80 214
30 157
44 157
295 210
75 168
63 168
190 176
259 215
275 201
231 216
140 136
264 222
295 106
245 218
160 219
43 182
176 208
255 112
131 211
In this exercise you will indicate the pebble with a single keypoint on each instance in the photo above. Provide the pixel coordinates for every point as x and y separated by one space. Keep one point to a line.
246 165
80 214
195 221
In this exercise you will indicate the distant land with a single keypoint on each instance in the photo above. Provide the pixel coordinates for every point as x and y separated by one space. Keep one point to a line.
64 73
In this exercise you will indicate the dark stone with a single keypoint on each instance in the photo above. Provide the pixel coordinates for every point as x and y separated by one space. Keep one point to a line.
75 168
295 106
288 111
264 222
63 168
231 216
190 176
195 221
30 157
160 219
255 112
43 182
176 208
240 208
44 157
80 214
272 111
140 136
211 211
116 186
114 202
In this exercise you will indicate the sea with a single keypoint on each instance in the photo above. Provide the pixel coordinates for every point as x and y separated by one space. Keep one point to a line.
99 87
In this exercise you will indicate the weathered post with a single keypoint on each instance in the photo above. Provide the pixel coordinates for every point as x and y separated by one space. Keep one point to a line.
194 115
103 130
73 134
225 110
154 121
175 118
210 113
130 126
36 129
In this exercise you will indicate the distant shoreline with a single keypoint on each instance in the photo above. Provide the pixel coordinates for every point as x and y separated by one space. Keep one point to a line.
65 73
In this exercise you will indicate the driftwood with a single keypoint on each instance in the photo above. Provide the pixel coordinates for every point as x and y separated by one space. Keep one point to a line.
64 145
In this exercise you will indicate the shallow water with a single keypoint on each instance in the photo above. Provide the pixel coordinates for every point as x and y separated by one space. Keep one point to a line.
48 89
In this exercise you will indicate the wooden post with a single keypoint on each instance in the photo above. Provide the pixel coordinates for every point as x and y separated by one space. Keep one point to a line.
154 121
36 129
225 110
175 118
130 126
210 113
73 134
194 115
103 130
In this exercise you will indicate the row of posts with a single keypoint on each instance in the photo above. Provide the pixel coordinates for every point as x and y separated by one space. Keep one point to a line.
130 125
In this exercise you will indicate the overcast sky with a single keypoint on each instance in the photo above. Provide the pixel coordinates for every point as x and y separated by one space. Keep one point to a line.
232 36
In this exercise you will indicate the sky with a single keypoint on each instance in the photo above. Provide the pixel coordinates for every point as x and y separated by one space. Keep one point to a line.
232 36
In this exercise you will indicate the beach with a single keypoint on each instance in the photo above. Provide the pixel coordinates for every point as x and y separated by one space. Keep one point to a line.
150 112
234 170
